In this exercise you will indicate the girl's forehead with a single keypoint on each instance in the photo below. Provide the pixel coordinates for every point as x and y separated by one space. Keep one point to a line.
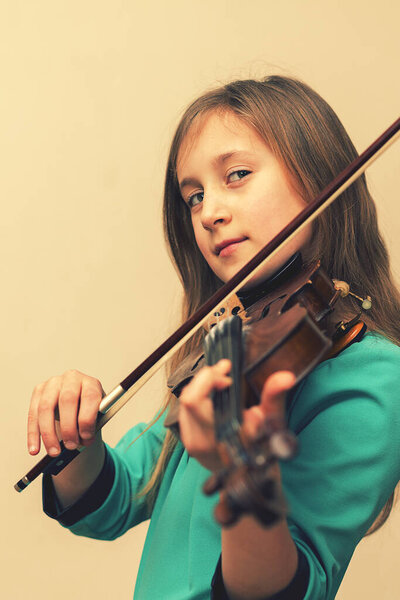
213 128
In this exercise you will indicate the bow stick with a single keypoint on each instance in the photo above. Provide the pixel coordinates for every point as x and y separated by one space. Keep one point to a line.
123 392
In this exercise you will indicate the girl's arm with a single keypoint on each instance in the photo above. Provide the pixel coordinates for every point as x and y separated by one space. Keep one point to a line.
256 562
77 477
76 397
93 495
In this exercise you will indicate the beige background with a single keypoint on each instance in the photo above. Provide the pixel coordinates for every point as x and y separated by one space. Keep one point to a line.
90 93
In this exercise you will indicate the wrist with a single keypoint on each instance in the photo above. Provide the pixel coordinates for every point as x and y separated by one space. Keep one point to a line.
257 562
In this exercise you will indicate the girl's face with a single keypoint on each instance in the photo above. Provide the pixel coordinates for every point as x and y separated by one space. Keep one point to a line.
238 193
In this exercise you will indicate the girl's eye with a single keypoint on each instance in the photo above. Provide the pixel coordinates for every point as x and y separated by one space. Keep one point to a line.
198 197
195 199
236 175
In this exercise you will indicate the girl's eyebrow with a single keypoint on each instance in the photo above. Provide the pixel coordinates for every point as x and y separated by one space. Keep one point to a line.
217 160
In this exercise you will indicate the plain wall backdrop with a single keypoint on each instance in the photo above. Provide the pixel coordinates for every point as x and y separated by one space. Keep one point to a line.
90 94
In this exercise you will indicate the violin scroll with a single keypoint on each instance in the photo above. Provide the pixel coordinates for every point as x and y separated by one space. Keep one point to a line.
251 487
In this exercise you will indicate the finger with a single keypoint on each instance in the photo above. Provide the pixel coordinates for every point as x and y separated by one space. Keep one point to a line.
207 379
199 415
253 419
68 408
196 427
33 437
46 408
274 392
223 366
272 403
91 396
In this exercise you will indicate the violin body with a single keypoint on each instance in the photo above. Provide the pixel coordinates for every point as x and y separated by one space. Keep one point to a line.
288 330
285 330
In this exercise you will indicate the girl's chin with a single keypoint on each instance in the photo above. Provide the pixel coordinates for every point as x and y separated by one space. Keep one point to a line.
265 273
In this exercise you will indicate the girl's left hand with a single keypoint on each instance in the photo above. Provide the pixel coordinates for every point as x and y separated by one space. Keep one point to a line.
196 415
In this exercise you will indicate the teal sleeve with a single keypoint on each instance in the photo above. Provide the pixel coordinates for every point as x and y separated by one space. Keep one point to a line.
347 418
133 466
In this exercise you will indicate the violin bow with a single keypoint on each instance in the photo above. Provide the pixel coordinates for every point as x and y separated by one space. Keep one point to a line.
124 391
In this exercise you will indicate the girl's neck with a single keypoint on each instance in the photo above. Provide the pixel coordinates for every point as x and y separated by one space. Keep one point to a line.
289 269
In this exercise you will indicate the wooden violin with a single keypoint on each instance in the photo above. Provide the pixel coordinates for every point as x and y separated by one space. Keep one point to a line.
288 329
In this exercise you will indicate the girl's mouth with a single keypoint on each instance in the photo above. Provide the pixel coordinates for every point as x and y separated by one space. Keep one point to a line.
227 247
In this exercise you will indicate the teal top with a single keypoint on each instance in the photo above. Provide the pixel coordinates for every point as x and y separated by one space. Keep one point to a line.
346 415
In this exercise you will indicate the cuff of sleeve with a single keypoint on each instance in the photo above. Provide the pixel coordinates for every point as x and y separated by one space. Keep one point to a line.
296 590
91 500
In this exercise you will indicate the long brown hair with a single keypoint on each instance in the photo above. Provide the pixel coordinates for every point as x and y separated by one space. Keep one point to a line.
312 145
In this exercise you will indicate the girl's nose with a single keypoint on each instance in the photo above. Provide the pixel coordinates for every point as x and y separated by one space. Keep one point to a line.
214 211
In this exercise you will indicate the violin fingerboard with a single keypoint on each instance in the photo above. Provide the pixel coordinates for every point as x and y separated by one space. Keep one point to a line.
225 341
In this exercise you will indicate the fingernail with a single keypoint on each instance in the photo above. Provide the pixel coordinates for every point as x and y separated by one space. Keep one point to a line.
32 449
54 451
86 435
71 445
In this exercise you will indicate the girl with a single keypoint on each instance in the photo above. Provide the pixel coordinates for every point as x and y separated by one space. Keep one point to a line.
244 161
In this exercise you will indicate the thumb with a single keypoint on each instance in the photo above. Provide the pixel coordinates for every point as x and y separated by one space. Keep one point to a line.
273 395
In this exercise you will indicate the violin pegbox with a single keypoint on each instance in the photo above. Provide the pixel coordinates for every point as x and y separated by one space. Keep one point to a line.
229 308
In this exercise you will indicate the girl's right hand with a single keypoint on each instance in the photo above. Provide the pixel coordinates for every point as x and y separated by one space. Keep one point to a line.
76 397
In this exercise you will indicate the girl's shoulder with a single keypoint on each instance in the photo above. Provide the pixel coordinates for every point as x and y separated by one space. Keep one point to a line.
373 349
370 360
364 377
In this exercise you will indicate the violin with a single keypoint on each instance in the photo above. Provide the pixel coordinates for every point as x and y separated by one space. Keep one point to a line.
118 397
288 329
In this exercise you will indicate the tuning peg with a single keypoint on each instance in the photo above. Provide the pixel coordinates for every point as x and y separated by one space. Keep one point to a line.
344 289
